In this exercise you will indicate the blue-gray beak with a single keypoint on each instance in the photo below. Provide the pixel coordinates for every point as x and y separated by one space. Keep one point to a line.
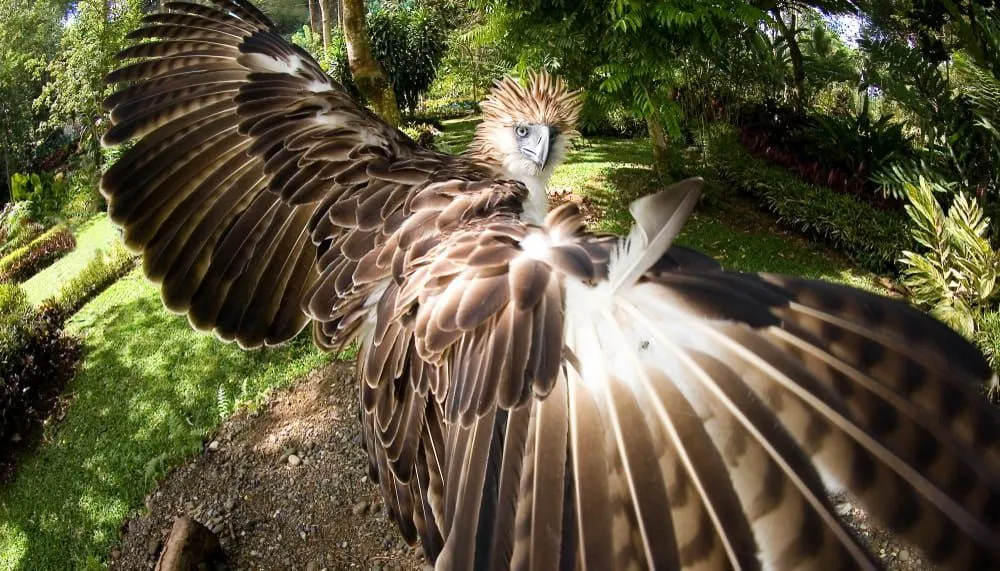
534 142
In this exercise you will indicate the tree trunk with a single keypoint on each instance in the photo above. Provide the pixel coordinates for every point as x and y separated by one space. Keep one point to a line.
324 11
314 21
661 143
368 75
795 52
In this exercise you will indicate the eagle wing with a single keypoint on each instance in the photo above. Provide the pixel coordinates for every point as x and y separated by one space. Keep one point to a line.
249 163
535 395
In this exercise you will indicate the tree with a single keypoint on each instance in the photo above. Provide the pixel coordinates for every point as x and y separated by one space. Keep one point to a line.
87 49
629 53
785 17
368 74
29 36
288 15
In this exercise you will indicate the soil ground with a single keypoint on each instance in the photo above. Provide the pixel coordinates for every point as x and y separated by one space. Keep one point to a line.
286 487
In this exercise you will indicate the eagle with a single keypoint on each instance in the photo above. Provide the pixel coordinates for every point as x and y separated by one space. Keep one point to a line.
532 394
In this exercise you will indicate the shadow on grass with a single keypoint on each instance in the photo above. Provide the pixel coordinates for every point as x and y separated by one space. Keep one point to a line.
457 133
143 401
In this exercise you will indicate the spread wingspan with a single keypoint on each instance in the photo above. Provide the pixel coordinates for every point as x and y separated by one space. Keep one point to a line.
535 395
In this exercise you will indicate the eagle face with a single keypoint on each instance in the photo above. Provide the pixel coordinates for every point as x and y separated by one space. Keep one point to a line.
533 149
526 128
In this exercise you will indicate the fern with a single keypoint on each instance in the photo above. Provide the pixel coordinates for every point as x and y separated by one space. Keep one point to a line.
223 404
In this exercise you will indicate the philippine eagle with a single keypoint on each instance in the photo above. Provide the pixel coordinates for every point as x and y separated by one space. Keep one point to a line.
532 394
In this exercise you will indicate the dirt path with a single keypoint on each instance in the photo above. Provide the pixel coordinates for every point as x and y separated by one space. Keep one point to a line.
287 488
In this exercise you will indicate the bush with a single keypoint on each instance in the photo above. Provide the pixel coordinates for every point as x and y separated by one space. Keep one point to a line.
28 260
16 227
423 134
46 194
36 359
98 275
841 152
871 236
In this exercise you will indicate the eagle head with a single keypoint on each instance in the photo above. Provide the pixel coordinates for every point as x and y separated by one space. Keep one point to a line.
526 128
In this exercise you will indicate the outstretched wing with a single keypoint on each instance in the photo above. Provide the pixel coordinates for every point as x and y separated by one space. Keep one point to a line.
536 395
540 397
246 153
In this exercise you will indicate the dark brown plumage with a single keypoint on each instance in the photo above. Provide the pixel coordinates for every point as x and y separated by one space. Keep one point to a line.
533 395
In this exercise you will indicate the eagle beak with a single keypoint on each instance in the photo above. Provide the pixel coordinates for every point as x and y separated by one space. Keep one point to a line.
536 145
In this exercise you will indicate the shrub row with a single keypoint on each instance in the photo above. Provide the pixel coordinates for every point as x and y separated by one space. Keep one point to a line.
32 258
873 237
36 359
104 270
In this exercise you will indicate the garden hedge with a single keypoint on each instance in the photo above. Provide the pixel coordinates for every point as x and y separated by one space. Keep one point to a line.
36 359
38 254
873 237
95 277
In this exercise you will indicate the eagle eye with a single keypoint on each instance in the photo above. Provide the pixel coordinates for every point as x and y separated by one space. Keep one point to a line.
521 131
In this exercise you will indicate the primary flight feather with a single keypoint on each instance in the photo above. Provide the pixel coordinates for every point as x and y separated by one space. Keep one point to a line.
534 395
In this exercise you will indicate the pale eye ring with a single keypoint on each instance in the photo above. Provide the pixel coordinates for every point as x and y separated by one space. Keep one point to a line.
521 131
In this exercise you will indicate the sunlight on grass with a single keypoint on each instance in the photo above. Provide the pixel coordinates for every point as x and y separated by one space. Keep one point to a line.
589 157
13 544
458 133
96 234
143 402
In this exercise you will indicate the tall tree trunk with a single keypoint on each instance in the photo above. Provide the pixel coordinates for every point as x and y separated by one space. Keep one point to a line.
795 51
314 20
324 10
661 143
368 75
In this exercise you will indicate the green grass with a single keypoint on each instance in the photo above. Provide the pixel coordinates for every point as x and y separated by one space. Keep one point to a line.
96 234
143 402
457 133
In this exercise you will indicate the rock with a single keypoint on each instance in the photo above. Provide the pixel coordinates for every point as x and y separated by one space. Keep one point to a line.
844 509
229 505
214 445
904 555
359 508
190 546
312 566
153 546
294 460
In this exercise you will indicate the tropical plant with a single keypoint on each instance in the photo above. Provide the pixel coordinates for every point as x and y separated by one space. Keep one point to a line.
44 194
956 277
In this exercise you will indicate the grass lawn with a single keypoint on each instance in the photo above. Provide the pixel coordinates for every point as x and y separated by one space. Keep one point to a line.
144 400
96 234
726 225
147 392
